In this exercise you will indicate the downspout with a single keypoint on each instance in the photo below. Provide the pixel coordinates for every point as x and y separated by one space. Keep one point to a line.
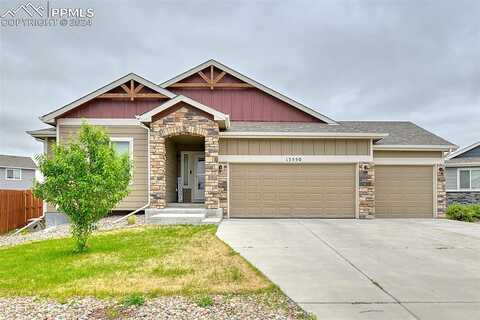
148 179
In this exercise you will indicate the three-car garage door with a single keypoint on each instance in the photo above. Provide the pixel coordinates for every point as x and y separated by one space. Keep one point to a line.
292 190
403 191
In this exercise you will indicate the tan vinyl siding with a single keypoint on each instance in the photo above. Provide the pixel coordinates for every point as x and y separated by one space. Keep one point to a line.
138 196
403 191
407 154
282 190
254 147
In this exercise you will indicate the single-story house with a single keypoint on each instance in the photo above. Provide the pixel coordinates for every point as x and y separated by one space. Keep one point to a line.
214 138
16 173
463 175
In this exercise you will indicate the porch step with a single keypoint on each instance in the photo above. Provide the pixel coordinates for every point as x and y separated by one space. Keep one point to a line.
182 215
185 205
177 218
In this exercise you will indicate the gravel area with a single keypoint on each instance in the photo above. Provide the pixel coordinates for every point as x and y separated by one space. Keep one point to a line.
62 231
236 307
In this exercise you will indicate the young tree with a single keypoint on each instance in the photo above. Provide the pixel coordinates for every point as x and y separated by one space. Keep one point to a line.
86 179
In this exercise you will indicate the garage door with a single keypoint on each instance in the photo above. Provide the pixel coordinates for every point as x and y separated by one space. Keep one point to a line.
403 191
282 190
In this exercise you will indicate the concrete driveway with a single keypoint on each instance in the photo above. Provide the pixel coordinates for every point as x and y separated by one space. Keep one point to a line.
367 269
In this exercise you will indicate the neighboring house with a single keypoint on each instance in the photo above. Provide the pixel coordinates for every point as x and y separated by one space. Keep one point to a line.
463 175
16 173
214 137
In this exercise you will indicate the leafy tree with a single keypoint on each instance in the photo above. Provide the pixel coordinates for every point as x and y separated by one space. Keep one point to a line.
86 179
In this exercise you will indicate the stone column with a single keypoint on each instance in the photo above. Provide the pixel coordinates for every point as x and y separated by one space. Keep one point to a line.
223 186
157 170
211 172
366 190
441 191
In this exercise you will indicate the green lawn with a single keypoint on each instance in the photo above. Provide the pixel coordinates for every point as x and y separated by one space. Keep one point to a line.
173 260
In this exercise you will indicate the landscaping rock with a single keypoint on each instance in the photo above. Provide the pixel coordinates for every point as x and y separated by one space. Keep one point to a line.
172 308
62 231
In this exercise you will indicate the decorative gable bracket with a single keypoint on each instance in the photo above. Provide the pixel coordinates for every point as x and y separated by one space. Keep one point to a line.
222 119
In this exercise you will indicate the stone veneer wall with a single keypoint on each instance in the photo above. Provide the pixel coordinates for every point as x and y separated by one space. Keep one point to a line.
223 186
366 191
463 197
183 120
441 191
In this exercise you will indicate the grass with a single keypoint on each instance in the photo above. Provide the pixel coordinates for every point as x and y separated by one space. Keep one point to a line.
145 261
134 299
205 301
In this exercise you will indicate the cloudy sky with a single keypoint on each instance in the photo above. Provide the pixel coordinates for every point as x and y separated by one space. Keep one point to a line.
351 60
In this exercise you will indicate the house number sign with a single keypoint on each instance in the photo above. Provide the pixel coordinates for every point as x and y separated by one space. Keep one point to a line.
293 159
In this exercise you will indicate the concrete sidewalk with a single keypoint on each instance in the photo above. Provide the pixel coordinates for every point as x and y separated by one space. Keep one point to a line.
367 269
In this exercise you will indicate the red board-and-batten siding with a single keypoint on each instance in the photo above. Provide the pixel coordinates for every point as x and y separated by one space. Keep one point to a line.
241 104
113 108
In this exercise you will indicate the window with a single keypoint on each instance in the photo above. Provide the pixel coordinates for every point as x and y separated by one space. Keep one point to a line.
475 179
185 169
13 174
469 179
464 178
123 146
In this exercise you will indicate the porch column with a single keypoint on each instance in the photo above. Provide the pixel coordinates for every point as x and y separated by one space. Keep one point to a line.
157 169
366 191
211 171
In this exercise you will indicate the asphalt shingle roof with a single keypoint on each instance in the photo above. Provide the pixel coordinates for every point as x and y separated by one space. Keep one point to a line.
399 132
17 162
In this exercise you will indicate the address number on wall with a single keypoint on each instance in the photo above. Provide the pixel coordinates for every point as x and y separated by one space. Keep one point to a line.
294 159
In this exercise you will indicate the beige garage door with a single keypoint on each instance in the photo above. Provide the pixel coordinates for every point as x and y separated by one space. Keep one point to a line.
403 191
282 190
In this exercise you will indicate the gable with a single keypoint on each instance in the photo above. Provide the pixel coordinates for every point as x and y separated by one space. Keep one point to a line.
118 103
181 102
470 151
244 99
122 98
474 152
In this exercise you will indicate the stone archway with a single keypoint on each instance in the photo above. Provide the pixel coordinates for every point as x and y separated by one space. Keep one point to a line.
183 120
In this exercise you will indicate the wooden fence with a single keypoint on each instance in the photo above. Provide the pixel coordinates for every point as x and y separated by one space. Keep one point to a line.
17 207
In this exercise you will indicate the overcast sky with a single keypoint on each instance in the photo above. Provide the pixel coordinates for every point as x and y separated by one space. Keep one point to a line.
350 60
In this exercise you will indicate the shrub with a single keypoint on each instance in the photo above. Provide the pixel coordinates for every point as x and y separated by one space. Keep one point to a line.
476 211
131 220
86 179
134 299
205 301
460 212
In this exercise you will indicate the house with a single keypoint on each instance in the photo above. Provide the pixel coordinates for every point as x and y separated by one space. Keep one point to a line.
16 173
214 138
463 175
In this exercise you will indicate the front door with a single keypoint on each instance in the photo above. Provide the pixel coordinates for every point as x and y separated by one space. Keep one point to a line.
199 178
193 176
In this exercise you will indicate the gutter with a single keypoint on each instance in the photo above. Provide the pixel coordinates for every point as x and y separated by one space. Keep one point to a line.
148 179
303 135
400 147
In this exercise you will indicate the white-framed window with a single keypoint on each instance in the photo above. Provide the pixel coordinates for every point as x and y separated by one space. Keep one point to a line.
13 174
123 146
468 179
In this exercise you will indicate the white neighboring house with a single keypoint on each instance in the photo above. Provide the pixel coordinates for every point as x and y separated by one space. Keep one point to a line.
463 175
16 173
